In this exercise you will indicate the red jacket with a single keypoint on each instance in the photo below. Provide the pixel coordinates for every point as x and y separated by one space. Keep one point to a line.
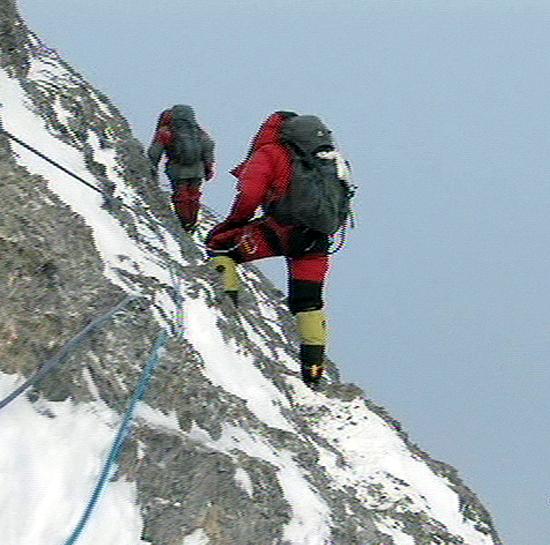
265 175
163 134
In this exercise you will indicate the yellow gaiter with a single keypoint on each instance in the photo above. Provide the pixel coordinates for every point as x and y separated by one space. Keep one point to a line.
312 327
231 281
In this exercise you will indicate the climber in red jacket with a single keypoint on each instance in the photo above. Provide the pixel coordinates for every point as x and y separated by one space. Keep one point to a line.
265 178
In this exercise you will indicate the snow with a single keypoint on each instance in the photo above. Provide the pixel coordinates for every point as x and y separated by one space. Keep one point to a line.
157 419
289 362
374 453
51 457
106 157
243 480
226 367
198 537
62 115
398 537
43 70
46 68
255 337
92 388
104 107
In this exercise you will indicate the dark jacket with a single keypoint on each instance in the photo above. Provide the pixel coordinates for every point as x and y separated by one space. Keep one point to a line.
203 169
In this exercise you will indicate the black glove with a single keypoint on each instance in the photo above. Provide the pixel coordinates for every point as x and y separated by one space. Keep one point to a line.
208 173
226 225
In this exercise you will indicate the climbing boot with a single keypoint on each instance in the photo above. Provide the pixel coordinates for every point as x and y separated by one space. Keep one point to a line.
189 227
312 374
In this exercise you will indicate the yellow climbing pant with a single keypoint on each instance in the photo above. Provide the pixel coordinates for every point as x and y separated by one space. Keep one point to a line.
312 327
228 268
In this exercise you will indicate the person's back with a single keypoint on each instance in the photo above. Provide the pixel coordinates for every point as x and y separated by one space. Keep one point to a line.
190 159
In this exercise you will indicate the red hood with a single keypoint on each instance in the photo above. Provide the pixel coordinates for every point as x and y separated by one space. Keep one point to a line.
269 133
165 118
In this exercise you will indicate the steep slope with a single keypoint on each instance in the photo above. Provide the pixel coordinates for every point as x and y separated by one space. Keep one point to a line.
229 447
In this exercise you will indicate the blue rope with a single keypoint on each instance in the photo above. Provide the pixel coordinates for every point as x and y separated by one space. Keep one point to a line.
125 427
147 374
60 357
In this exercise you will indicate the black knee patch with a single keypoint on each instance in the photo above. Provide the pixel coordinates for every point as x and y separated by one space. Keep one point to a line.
304 295
235 255
307 243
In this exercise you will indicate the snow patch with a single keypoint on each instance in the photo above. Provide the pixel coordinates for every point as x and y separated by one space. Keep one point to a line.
198 537
375 454
52 455
157 419
243 480
63 115
392 529
224 366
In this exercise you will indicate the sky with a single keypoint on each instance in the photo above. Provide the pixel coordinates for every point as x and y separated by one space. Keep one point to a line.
438 305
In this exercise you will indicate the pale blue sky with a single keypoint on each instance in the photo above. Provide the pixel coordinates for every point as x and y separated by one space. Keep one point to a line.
439 305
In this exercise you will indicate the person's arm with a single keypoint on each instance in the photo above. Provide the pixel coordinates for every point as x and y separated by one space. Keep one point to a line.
156 149
154 153
255 180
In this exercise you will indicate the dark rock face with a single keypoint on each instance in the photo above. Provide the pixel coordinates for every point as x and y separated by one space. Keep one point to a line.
189 476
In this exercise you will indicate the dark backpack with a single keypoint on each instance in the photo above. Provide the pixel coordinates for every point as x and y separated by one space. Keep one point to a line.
186 148
318 198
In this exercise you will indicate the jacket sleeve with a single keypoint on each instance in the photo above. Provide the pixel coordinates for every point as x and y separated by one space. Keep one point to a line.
155 153
162 138
207 154
255 181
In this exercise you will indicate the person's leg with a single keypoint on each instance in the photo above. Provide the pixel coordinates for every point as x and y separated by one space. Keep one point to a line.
306 281
240 245
186 198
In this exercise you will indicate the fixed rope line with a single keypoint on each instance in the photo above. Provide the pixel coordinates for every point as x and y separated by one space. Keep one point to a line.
123 432
60 357
51 161
86 183
108 198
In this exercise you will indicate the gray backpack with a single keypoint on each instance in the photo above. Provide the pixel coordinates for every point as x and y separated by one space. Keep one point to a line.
186 149
318 198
